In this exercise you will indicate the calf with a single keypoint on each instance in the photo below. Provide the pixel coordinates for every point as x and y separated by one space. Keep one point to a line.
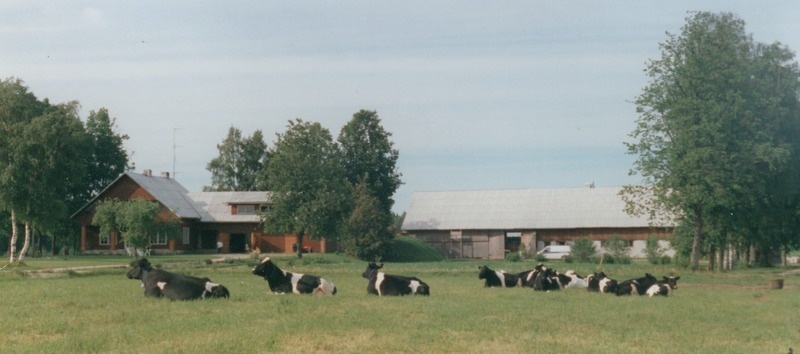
383 284
636 286
664 287
158 283
281 282
497 278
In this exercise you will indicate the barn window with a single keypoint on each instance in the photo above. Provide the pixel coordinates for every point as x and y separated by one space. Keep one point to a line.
105 239
245 209
186 238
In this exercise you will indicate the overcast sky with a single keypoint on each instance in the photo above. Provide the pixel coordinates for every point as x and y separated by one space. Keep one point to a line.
477 94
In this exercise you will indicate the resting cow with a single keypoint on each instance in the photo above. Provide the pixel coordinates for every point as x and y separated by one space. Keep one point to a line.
664 287
158 283
570 279
497 278
383 284
282 282
528 277
636 286
547 280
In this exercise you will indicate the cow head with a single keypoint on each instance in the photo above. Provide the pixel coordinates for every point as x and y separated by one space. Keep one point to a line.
265 268
372 268
672 281
139 269
484 272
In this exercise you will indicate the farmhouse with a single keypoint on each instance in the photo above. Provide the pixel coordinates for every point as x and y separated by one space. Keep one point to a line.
491 223
206 217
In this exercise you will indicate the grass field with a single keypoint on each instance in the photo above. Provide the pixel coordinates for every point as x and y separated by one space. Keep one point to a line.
100 310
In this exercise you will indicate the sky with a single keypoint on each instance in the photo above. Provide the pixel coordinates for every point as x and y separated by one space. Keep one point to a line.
476 94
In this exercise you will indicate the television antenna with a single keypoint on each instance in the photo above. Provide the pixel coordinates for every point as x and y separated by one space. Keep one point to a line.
174 152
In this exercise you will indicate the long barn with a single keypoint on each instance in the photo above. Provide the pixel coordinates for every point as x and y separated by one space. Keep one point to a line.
490 223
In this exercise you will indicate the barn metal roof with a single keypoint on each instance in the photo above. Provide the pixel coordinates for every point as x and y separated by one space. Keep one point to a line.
564 208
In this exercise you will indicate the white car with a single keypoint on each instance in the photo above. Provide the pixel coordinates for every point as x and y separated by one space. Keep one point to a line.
555 252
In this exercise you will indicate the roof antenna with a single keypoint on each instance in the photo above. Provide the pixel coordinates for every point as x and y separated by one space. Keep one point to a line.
174 154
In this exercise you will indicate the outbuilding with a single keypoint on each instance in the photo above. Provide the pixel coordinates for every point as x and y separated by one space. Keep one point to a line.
491 223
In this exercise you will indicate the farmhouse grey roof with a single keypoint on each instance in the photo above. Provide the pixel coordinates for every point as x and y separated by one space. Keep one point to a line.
514 209
204 206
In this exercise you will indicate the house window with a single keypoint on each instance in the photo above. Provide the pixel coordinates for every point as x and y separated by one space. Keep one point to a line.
186 238
245 209
159 239
105 239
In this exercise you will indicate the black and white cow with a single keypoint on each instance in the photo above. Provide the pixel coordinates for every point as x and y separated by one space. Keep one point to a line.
383 284
607 285
158 283
570 279
528 277
636 286
664 287
282 282
497 278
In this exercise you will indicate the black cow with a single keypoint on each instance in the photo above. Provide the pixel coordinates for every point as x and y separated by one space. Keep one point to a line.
383 284
664 287
636 286
158 283
282 282
497 278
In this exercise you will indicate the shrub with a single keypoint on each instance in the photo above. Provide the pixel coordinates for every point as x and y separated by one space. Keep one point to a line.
617 247
665 259
540 258
583 249
513 257
652 250
569 259
409 249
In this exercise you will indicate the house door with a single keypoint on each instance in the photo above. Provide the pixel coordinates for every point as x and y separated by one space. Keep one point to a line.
238 243
208 239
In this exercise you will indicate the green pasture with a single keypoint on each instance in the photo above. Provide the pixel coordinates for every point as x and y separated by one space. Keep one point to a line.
100 310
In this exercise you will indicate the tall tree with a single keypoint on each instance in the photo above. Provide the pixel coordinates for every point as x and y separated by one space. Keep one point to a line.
44 172
240 162
370 162
370 158
18 107
306 179
708 137
107 158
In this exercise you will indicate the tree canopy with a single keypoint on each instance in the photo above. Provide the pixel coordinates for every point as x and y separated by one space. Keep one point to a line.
240 163
136 221
717 131
305 177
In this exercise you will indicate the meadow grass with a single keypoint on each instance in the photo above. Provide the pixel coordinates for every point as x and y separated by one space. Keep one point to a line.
104 311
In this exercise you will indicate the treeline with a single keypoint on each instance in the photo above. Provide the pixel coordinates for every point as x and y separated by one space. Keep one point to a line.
51 163
718 143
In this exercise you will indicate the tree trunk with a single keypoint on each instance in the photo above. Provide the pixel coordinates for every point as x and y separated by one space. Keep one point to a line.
27 243
712 257
698 234
299 244
12 243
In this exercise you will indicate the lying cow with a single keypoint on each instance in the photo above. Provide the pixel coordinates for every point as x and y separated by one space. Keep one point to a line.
570 279
636 286
282 282
664 287
158 283
528 277
383 284
497 278
547 280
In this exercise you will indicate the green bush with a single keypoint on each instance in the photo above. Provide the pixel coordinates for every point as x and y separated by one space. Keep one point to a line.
583 249
652 250
409 249
665 259
540 258
513 257
568 259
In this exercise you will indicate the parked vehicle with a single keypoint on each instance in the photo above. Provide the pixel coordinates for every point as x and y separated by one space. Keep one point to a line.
555 252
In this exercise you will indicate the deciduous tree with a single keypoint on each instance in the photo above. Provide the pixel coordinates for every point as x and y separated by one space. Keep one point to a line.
239 164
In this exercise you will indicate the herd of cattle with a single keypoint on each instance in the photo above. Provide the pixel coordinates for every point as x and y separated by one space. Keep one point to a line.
542 278
161 283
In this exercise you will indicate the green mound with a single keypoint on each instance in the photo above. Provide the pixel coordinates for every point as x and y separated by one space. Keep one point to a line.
409 249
